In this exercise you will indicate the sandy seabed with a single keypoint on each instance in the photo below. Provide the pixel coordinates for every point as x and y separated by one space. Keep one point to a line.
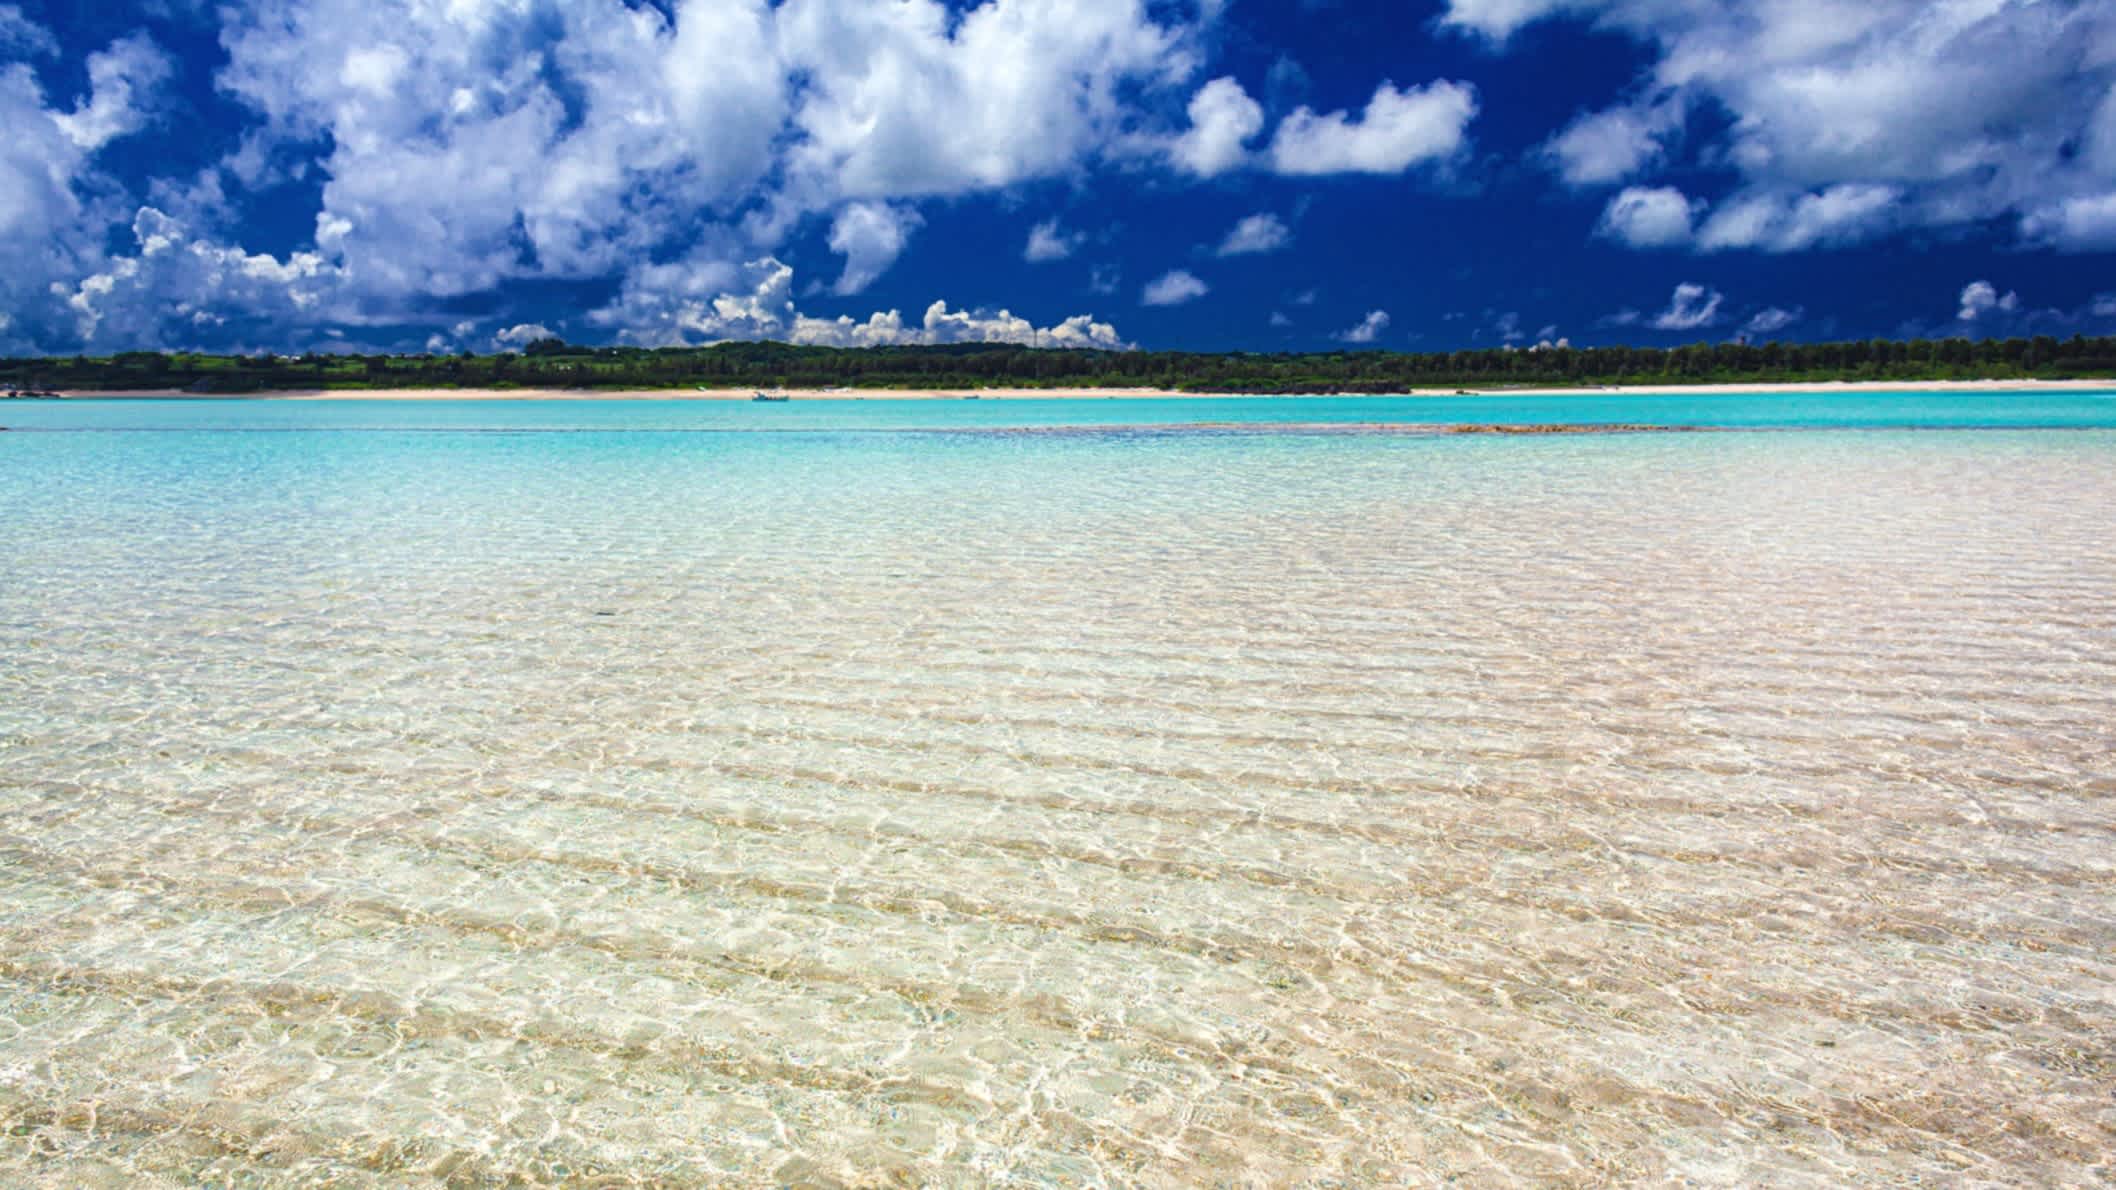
861 810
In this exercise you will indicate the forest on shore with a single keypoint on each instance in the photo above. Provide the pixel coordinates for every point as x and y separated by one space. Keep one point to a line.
553 364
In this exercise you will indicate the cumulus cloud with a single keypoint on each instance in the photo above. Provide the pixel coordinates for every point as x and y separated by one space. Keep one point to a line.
179 285
1791 223
1223 119
1690 307
1957 113
521 335
58 206
756 301
1982 297
453 149
471 143
870 236
1610 146
1256 234
1367 329
1648 217
2099 150
2086 223
910 98
1397 130
121 80
464 146
1047 242
38 163
1173 288
455 162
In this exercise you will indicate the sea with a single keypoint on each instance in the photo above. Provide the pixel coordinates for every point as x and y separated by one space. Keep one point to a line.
1199 792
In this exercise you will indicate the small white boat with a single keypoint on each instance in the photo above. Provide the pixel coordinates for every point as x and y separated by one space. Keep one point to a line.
765 396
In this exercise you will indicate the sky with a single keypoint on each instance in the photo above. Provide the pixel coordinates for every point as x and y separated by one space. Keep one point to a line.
1260 175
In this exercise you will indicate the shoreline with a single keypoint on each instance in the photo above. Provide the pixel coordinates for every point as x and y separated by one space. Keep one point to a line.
1091 394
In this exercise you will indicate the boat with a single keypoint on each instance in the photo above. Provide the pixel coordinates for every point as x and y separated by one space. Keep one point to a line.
765 396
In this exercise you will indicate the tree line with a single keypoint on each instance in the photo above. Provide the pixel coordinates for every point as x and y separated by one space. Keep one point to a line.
554 364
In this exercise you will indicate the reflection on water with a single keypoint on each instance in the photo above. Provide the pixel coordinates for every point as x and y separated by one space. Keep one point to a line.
823 809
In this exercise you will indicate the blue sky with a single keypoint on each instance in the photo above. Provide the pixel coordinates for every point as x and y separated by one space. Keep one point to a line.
442 175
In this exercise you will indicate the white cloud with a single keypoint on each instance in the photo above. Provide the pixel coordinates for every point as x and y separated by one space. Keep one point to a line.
870 236
1497 19
463 145
1792 223
1691 306
1963 111
121 80
1610 146
179 286
1648 217
1279 319
1222 120
1047 242
475 142
715 304
521 335
1769 321
1173 288
1256 234
20 34
38 163
1981 297
908 98
1367 329
2084 224
57 205
1397 130
2100 146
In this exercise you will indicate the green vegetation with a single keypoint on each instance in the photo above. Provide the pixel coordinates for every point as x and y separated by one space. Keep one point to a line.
550 363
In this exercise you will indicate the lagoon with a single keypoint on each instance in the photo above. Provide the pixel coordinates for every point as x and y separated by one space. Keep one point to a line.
2047 408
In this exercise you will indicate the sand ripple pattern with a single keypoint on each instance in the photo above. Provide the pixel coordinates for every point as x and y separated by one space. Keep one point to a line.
383 810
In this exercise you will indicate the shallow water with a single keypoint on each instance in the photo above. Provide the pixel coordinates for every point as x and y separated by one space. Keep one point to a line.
383 804
2043 409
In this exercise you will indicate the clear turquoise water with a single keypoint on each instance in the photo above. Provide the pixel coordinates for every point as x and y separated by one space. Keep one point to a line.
1102 808
2074 410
